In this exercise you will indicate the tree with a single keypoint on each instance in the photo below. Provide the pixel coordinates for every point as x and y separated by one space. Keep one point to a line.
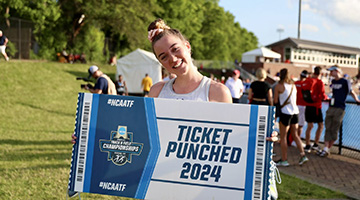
123 21
43 13
186 16
122 25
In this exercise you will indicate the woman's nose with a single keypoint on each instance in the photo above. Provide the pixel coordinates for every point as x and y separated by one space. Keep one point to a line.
173 58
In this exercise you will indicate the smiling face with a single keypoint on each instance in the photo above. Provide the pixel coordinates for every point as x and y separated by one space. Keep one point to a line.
173 53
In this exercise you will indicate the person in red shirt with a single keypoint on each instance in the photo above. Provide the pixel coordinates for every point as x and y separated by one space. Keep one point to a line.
313 113
300 101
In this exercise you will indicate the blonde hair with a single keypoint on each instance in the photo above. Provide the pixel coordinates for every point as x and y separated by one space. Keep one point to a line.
261 73
158 28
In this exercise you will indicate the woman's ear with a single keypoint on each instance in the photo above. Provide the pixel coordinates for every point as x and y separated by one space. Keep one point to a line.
188 46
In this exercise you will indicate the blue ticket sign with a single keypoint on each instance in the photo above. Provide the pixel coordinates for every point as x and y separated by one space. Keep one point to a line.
148 148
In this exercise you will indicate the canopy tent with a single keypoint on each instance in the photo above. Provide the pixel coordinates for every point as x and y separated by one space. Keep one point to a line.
259 55
134 66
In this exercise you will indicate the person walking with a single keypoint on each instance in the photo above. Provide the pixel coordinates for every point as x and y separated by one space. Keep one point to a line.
340 87
235 85
146 84
313 113
285 93
103 85
3 43
260 92
300 101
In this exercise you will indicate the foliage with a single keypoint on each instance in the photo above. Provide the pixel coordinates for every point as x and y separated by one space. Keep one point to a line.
123 21
11 49
186 16
212 32
91 43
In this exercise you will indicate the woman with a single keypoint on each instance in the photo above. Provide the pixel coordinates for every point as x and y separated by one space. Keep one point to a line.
174 53
260 92
121 86
285 93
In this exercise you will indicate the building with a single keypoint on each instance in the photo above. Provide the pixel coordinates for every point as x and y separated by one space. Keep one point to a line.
298 54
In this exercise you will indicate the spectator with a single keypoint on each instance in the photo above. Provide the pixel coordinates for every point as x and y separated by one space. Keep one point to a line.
300 101
222 80
235 86
83 58
341 87
103 85
121 86
65 55
146 84
3 43
313 113
260 92
247 84
112 60
285 93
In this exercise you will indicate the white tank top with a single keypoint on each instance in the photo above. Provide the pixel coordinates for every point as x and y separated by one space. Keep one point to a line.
201 93
291 108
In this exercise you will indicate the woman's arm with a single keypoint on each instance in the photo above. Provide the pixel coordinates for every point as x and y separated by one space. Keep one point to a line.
276 94
250 94
156 89
270 97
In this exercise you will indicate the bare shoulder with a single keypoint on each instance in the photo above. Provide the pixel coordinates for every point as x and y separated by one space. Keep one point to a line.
279 88
219 92
156 89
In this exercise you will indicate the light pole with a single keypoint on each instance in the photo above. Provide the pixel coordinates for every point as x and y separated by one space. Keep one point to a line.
299 19
280 30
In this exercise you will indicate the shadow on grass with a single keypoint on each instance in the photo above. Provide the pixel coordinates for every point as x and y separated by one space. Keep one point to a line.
38 131
85 75
30 156
77 74
35 142
37 167
47 110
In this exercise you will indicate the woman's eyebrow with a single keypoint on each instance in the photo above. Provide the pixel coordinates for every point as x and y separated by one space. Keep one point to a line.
169 48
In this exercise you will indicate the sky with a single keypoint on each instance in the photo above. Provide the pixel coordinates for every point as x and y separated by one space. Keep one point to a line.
329 21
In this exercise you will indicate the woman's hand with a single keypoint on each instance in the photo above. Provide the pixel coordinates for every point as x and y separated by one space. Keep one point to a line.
274 137
73 141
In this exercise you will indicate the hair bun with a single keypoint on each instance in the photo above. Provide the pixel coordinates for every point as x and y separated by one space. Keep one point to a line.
158 24
156 27
161 25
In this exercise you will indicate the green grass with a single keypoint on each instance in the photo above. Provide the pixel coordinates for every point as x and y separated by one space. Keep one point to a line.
37 114
294 188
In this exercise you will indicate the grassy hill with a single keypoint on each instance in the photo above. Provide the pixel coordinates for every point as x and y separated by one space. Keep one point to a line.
37 114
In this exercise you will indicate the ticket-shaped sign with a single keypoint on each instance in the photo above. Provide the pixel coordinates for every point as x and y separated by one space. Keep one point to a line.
152 148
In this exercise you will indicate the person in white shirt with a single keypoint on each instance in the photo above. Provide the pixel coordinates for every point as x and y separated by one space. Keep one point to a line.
285 93
235 86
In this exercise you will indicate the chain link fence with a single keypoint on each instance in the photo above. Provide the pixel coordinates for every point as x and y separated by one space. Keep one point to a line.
348 143
19 33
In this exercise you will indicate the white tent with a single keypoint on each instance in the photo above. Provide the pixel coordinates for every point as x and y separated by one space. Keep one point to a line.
259 55
135 65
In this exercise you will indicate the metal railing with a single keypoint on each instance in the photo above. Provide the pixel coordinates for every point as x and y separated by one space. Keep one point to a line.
348 143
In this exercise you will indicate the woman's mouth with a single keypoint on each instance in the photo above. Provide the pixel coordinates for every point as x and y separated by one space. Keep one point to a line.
178 64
